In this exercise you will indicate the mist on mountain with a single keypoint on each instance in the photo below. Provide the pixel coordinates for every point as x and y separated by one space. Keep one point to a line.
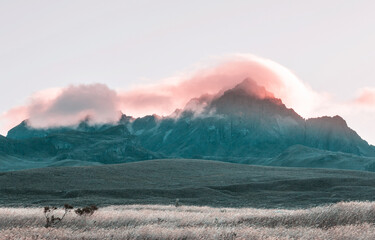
244 124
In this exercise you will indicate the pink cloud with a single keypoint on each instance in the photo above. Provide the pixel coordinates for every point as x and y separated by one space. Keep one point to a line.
69 105
12 117
164 98
366 97
66 106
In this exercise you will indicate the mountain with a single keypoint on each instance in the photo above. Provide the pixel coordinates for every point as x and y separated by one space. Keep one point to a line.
73 147
332 133
245 124
25 131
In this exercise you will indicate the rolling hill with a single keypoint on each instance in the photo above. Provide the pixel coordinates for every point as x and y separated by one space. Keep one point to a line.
194 182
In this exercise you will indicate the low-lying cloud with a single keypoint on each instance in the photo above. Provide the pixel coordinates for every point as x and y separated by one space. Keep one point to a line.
69 105
73 104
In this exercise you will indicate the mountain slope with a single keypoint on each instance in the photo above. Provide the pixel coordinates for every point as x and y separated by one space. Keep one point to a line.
301 156
194 182
72 147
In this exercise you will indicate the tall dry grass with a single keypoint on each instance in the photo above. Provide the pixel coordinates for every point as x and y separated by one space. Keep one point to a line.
346 220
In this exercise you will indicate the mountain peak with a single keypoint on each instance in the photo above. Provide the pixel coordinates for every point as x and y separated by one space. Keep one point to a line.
331 122
251 88
249 98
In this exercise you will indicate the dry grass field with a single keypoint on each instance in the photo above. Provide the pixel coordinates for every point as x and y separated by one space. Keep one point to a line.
345 220
218 201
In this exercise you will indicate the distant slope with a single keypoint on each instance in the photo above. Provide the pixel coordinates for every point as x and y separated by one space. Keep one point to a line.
301 156
11 163
195 182
113 144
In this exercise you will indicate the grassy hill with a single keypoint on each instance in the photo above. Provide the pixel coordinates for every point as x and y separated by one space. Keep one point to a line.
194 182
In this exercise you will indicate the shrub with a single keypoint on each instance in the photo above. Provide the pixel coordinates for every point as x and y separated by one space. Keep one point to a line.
51 219
86 211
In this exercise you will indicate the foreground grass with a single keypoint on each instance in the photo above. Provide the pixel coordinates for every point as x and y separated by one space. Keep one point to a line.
346 220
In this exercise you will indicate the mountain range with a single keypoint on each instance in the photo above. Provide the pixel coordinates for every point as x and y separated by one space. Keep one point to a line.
244 124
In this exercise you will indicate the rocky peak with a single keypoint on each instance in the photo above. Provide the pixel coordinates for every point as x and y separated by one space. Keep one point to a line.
250 99
124 119
335 122
250 88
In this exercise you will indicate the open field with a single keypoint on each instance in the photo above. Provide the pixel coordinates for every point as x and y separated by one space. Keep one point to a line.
194 182
218 201
346 220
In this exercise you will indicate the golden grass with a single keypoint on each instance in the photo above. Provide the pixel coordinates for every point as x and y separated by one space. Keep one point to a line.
346 220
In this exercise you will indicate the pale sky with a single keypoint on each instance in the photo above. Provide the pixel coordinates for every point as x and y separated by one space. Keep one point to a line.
52 44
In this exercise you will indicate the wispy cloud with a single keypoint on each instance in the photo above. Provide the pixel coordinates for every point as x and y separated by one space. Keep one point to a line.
366 97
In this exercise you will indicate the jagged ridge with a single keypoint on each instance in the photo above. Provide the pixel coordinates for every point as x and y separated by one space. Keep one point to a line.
244 122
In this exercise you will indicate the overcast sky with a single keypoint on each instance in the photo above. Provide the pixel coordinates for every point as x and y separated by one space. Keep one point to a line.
47 44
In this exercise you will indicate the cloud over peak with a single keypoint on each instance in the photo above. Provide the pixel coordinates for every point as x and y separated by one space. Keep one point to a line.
69 105
165 97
